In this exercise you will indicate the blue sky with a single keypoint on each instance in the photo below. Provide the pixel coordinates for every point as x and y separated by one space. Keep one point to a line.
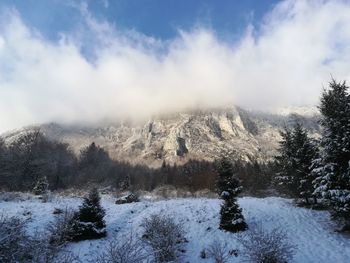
157 18
87 61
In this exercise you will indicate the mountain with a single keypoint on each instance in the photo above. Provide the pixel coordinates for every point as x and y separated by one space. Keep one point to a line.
176 138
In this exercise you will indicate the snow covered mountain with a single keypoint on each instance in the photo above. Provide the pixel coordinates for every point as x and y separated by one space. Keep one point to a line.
199 134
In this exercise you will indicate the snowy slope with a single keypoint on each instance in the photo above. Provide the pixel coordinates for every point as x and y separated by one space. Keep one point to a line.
311 231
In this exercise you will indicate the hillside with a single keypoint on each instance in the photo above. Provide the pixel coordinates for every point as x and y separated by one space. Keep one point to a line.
311 231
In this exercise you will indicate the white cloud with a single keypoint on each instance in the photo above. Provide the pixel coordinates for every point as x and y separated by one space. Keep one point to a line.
284 63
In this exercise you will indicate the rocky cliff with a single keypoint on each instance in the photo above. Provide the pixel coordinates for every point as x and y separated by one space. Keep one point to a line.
200 134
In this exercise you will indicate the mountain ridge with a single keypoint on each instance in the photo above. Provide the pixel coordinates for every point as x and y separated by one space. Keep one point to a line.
202 134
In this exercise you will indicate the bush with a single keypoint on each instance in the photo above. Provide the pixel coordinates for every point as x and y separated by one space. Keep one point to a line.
219 252
263 246
61 229
16 246
202 254
44 252
164 236
130 198
14 243
41 187
123 249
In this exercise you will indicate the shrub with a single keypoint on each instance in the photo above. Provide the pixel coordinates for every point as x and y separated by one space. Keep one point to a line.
262 246
16 246
164 236
41 187
202 254
219 252
61 229
124 249
42 251
14 243
130 198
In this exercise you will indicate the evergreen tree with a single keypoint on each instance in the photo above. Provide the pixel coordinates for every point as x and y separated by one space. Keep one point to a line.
297 152
228 186
42 186
332 168
94 164
88 222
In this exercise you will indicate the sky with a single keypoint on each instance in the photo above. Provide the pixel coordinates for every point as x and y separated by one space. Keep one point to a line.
90 61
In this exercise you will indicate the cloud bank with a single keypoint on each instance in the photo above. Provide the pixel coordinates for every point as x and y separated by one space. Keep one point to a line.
98 72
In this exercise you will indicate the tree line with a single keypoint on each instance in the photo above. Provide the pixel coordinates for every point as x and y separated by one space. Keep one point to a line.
31 160
319 168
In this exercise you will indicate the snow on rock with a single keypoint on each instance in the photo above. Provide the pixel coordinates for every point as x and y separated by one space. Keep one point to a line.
193 134
312 231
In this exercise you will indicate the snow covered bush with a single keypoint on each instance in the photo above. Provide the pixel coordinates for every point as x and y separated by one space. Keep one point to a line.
42 251
17 246
14 242
122 249
262 246
228 187
88 222
61 229
65 257
219 252
164 236
130 198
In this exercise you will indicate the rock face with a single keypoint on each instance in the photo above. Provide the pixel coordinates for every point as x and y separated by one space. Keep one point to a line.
200 134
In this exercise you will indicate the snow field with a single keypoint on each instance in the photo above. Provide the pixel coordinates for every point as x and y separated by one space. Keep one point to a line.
311 231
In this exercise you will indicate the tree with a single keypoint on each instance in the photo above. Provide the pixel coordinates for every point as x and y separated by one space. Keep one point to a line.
297 152
3 156
33 156
94 164
228 186
88 222
41 187
332 167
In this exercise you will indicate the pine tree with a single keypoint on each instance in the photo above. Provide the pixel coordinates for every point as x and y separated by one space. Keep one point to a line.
284 161
297 152
228 186
42 186
88 222
332 168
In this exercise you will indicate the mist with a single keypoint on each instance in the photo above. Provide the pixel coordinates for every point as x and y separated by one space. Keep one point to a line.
99 72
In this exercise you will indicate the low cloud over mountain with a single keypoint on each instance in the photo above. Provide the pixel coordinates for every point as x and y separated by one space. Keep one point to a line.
99 72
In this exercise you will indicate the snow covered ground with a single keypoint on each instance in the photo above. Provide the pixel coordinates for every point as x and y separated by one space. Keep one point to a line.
310 230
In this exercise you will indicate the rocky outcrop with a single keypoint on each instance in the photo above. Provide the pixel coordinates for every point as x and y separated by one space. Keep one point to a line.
200 134
181 149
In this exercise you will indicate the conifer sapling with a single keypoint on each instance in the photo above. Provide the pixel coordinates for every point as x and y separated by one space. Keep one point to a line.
88 222
228 186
